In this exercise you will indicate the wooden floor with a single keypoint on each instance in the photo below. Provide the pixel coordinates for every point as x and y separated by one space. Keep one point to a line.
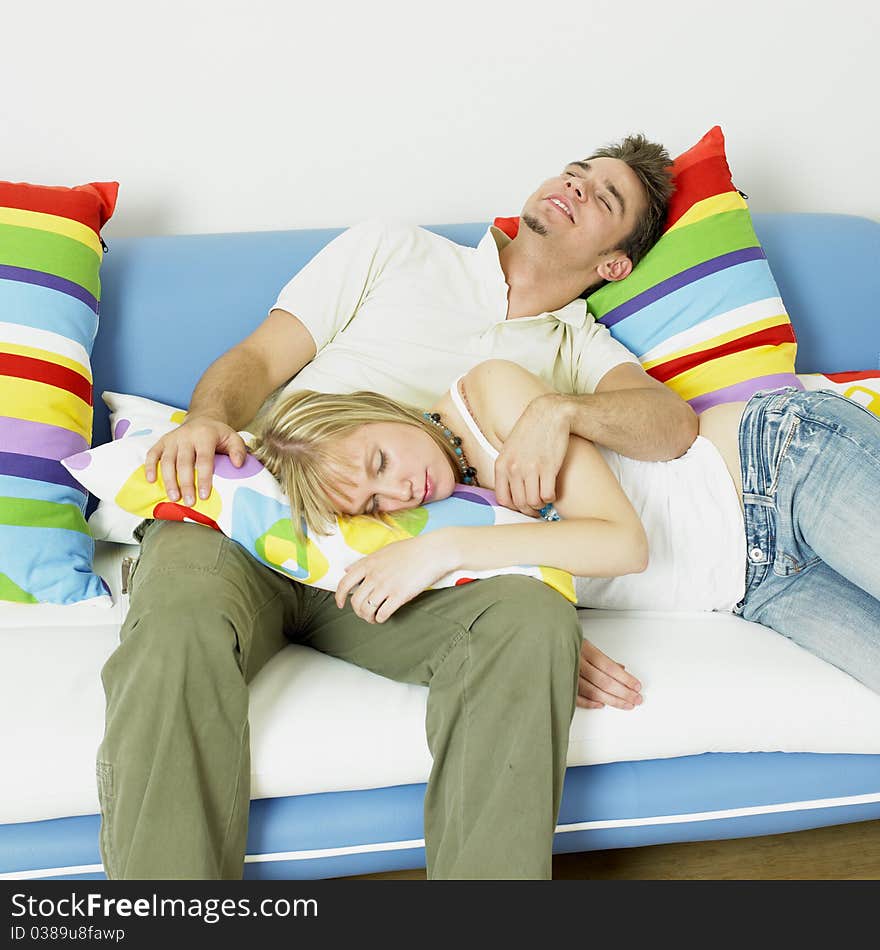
842 852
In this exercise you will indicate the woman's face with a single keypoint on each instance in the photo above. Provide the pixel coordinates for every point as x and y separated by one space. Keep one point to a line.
394 466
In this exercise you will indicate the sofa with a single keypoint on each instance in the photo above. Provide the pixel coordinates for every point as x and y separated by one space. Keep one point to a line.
741 732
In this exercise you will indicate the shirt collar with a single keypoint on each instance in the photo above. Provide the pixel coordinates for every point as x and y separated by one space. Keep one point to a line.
574 314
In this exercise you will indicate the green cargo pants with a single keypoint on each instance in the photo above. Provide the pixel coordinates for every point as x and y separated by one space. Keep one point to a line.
500 658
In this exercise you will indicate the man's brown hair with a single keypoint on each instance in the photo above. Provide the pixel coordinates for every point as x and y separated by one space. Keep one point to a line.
653 166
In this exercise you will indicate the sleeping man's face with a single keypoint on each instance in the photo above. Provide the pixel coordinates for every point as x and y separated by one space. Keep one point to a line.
586 213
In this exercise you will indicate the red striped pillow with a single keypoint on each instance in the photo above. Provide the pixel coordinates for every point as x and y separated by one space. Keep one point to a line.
702 311
50 257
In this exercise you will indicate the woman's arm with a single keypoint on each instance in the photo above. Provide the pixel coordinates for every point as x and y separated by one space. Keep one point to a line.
382 582
586 547
600 534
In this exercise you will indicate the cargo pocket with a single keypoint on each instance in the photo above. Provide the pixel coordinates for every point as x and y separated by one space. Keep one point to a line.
106 797
127 569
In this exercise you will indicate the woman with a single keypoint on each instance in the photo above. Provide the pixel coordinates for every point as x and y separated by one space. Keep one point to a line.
773 513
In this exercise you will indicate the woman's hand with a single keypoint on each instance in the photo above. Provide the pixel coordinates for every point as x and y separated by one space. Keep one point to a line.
385 580
603 682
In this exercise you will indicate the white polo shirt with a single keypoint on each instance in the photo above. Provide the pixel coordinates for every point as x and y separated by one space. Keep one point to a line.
402 311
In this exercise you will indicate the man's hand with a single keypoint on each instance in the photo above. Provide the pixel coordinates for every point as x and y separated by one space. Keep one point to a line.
192 445
602 682
533 453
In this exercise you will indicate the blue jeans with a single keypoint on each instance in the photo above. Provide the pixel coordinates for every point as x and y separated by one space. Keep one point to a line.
811 490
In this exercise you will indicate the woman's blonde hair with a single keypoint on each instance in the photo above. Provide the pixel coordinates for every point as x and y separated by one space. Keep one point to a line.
298 436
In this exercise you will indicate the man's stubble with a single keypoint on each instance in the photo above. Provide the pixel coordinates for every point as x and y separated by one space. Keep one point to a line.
533 224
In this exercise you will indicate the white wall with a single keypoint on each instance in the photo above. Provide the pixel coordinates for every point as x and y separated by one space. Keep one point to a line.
257 115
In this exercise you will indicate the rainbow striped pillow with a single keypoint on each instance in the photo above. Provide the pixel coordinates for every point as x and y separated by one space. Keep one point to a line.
50 256
702 311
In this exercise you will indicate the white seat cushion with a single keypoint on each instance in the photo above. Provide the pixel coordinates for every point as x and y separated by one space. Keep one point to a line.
711 682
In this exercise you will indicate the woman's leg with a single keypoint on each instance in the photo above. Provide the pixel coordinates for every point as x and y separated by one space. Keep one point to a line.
811 480
825 614
833 508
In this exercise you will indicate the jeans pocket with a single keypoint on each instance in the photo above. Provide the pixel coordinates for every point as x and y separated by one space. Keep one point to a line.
786 565
106 798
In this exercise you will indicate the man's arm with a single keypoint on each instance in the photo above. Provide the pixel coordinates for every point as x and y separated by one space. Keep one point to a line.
235 385
226 399
634 415
629 413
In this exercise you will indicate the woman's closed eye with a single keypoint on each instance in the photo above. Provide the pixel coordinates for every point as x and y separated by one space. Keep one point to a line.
373 506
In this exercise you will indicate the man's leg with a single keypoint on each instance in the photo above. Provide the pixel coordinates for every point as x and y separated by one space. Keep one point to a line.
500 657
174 766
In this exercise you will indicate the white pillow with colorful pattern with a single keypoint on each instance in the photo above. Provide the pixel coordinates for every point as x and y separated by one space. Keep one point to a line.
248 505
862 387
109 522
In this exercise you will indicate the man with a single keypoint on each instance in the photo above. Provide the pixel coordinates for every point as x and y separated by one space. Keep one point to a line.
402 311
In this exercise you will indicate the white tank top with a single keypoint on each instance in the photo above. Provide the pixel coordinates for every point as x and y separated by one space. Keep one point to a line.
695 528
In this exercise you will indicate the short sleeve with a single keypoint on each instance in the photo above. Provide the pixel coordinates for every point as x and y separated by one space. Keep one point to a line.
596 352
326 294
